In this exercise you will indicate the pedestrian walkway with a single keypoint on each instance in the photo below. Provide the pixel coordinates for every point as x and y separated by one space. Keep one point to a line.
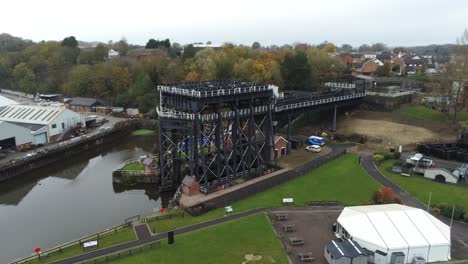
143 232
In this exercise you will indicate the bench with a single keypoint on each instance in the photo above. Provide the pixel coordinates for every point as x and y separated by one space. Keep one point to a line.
306 256
281 217
294 241
289 228
288 201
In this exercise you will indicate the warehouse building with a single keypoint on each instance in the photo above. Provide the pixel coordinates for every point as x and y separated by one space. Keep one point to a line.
15 137
394 233
4 102
46 124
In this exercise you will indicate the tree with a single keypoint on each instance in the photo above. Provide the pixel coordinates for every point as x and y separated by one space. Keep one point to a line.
151 44
80 81
379 47
384 70
364 47
295 71
70 42
100 53
385 196
329 48
399 49
346 47
256 45
25 78
122 47
189 51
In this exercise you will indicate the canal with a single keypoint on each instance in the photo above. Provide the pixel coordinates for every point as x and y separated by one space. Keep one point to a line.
68 200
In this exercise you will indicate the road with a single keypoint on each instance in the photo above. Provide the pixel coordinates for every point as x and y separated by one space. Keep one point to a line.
459 232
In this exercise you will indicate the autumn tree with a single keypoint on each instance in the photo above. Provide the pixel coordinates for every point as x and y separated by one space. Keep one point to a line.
329 48
385 196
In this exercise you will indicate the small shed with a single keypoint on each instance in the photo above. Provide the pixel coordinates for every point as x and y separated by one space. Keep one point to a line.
150 165
190 185
344 252
280 147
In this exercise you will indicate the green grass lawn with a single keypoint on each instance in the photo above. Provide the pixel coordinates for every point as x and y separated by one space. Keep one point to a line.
342 180
420 187
424 113
122 236
225 243
143 132
134 166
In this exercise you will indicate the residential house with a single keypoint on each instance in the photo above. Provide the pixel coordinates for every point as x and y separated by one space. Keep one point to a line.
190 185
370 67
112 54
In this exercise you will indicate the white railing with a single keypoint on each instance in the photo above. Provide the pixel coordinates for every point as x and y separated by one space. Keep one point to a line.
340 85
397 94
212 93
318 102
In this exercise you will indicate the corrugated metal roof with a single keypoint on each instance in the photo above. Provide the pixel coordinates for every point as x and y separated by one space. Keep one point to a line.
30 114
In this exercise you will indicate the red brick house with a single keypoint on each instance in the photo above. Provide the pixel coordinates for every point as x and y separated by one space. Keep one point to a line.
279 147
190 185
150 165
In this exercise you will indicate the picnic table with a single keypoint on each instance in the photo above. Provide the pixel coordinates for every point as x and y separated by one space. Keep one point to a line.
281 217
289 228
307 256
295 241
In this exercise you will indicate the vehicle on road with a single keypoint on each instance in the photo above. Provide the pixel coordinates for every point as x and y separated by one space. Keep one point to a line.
314 140
314 148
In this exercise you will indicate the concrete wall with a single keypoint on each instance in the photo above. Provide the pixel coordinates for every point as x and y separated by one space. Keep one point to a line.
21 134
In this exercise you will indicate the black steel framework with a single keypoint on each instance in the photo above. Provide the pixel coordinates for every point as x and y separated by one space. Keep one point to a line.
217 131
222 130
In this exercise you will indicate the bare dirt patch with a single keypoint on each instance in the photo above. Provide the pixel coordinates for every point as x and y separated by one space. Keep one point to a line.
251 258
384 133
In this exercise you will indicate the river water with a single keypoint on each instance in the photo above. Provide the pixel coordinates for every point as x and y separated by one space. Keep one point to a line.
71 199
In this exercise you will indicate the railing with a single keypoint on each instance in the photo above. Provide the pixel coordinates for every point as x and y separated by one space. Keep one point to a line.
397 94
169 113
124 253
318 102
211 186
340 85
59 249
219 92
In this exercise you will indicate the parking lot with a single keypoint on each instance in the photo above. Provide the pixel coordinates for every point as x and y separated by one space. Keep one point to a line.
312 224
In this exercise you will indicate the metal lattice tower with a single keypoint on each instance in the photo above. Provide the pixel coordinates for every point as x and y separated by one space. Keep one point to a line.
217 131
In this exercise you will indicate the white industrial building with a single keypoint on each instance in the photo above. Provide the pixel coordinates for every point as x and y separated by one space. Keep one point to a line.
392 230
45 123
4 102
14 136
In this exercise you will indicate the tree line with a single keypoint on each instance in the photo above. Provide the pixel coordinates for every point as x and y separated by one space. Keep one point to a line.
129 81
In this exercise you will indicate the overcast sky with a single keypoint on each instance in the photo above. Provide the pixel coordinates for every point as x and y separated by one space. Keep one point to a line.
395 22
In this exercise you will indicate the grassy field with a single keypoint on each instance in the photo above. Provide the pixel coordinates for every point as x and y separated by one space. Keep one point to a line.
122 236
143 132
227 243
342 180
420 187
134 166
424 113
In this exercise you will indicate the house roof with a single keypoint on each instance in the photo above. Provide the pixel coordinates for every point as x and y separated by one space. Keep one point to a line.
6 101
394 226
147 161
83 101
347 248
30 114
278 138
188 180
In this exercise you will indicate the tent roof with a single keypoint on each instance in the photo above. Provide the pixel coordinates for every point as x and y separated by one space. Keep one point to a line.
6 101
394 226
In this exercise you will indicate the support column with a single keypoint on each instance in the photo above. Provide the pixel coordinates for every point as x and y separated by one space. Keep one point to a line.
334 119
288 147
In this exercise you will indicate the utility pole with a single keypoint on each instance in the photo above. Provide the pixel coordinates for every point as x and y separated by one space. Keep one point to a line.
429 202
451 218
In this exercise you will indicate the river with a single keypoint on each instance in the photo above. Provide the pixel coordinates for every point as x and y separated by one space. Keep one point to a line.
71 199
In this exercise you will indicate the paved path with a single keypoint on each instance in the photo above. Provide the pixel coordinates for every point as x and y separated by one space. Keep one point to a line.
143 232
109 250
459 232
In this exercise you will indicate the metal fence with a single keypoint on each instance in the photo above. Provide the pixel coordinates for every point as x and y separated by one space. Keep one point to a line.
59 249
124 253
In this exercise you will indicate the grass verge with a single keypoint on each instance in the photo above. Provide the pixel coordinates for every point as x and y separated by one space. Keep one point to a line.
143 132
134 166
342 180
420 187
228 243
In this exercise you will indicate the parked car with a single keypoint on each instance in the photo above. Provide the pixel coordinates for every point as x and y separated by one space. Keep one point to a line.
314 148
314 140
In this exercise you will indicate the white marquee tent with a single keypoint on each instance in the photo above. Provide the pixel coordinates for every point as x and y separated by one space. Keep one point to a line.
393 228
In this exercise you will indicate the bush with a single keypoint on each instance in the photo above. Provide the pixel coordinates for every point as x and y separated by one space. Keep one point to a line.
465 218
378 157
385 196
396 155
446 210
385 154
436 210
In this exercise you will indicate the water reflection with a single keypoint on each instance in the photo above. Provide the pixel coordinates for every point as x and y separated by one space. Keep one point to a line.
70 199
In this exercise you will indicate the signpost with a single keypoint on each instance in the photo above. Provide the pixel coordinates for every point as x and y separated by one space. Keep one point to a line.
93 243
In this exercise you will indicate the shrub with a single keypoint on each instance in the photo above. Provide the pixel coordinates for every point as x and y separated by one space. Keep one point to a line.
446 210
385 196
385 154
378 157
436 210
396 155
465 218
